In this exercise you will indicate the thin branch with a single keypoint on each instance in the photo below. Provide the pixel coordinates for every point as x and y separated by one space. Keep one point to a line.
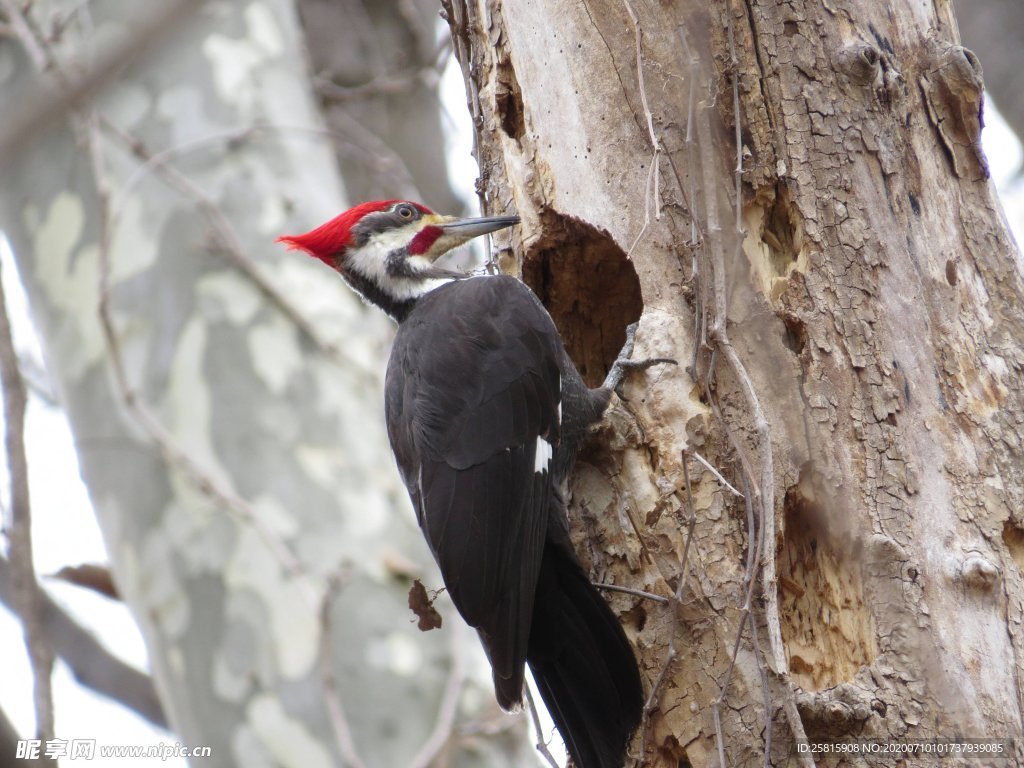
230 245
444 728
173 454
716 473
90 662
631 591
384 85
335 710
676 603
27 593
542 746
749 584
654 174
29 120
18 27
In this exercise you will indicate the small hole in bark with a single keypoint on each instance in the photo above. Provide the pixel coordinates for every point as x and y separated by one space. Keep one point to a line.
796 333
637 617
590 288
1013 538
827 628
509 101
790 28
951 272
782 234
915 204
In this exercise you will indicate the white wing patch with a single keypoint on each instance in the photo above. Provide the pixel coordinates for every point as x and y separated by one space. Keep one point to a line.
559 399
542 455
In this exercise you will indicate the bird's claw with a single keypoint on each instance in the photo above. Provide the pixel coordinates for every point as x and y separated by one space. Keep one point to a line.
624 365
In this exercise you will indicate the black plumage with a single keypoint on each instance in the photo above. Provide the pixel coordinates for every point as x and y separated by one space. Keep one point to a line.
478 376
485 412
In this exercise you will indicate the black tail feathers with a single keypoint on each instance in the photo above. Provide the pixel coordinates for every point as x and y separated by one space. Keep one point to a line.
583 664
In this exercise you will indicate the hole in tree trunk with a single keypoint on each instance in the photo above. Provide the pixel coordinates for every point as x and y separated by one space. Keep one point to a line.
590 288
828 630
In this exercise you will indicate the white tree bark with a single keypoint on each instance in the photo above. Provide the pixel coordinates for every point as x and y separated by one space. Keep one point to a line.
850 355
226 396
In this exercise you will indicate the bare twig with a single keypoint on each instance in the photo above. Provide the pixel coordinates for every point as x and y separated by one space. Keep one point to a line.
174 455
631 591
654 174
542 746
27 593
91 664
444 728
384 85
230 244
335 710
716 473
456 13
749 583
18 26
759 498
25 123
675 603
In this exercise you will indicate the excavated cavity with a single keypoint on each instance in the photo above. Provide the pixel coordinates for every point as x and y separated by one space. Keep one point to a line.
774 241
1013 538
829 632
782 234
590 288
509 99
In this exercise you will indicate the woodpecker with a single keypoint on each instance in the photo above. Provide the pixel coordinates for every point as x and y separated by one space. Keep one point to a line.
485 413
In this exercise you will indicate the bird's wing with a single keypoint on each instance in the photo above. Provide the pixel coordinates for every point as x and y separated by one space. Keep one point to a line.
473 415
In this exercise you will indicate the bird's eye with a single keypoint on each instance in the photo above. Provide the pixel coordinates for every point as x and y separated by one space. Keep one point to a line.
405 211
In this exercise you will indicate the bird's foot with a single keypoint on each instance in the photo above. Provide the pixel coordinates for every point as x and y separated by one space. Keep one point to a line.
624 364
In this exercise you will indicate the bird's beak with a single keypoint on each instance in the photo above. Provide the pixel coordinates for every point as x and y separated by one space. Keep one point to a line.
444 233
461 230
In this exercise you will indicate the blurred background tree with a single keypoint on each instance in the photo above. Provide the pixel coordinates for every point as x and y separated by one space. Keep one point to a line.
225 397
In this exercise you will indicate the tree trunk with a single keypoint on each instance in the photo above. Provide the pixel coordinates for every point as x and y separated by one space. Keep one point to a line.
226 397
849 356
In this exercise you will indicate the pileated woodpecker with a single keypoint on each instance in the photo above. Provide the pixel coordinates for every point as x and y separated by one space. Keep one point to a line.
485 412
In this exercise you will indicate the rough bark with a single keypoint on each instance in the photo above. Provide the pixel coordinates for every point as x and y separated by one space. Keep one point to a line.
226 396
850 354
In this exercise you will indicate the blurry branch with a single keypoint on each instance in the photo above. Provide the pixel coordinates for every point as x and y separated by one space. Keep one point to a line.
542 746
9 738
387 84
444 728
227 241
37 379
92 665
456 13
28 597
22 125
332 696
174 454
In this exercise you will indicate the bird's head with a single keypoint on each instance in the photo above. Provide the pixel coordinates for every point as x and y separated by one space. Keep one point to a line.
387 250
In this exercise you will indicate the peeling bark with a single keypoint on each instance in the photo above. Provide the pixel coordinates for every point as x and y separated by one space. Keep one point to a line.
874 317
